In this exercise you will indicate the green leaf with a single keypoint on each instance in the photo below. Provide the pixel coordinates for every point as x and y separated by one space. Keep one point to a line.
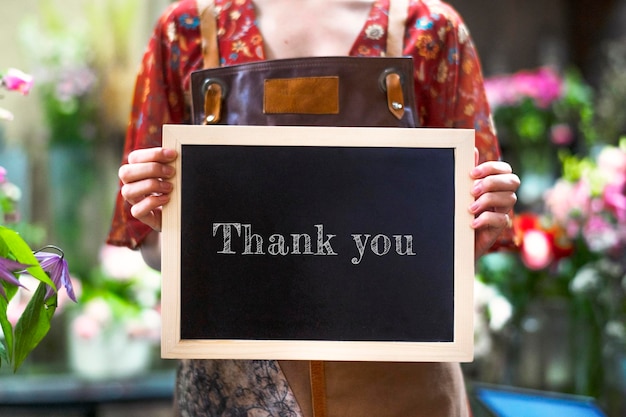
7 328
33 326
3 354
24 254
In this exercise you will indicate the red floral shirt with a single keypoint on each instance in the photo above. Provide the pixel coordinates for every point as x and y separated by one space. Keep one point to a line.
448 79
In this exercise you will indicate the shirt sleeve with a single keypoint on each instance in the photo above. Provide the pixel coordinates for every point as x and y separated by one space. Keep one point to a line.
449 84
158 99
448 76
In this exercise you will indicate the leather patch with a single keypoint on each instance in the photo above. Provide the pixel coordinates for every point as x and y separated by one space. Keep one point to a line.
309 95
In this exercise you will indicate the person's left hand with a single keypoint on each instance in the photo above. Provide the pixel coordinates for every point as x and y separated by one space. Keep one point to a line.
494 190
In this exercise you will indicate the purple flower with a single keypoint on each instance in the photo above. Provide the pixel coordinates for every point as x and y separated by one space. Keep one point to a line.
56 267
7 269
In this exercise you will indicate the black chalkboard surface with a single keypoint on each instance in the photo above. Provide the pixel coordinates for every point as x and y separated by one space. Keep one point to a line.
318 243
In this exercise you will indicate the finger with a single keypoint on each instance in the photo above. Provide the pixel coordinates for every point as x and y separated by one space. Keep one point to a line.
495 183
134 172
492 220
490 168
137 191
163 155
148 210
499 202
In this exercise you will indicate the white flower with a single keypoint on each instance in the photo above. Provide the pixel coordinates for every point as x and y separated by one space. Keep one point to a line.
11 191
121 263
500 311
616 329
586 280
374 32
99 310
5 114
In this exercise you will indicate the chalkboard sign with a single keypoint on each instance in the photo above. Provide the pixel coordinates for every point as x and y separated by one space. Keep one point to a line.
318 243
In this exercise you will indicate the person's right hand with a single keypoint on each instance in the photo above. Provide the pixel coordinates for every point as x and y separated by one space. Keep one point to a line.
145 183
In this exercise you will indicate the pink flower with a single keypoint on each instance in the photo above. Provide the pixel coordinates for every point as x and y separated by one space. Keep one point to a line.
86 327
612 162
16 80
561 134
537 250
542 85
615 200
600 234
567 201
3 175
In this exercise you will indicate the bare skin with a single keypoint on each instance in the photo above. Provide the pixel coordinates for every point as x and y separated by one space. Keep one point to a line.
335 24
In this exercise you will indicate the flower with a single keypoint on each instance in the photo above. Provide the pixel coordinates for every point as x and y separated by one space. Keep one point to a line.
5 114
8 268
543 86
589 201
28 284
122 292
56 267
538 114
16 80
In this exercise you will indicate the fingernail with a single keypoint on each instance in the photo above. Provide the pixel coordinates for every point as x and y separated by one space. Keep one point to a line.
168 170
169 153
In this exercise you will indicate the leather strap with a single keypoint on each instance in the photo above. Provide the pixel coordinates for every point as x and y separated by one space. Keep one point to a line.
318 388
395 97
398 11
208 32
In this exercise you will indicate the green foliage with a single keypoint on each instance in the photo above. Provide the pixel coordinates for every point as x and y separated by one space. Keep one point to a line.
34 323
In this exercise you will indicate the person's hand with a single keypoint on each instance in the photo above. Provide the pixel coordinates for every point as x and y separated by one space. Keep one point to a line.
494 193
145 183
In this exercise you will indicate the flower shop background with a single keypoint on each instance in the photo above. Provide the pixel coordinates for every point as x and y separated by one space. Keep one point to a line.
549 317
61 153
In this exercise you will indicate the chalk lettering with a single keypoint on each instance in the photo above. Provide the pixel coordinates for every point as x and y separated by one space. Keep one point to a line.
381 245
227 234
253 243
323 246
277 245
248 238
409 245
296 238
360 247
376 246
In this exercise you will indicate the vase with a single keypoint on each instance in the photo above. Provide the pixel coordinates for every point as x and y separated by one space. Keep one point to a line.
110 354
586 349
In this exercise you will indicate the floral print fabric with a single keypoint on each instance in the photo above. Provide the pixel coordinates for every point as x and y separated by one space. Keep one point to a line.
448 80
233 388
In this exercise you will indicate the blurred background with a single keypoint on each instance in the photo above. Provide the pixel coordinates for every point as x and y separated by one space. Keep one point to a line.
550 315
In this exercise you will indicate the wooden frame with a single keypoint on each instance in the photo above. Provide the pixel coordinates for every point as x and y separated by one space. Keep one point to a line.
461 141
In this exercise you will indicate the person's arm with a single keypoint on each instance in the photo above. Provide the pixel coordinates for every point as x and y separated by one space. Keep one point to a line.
151 250
146 188
450 91
172 53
